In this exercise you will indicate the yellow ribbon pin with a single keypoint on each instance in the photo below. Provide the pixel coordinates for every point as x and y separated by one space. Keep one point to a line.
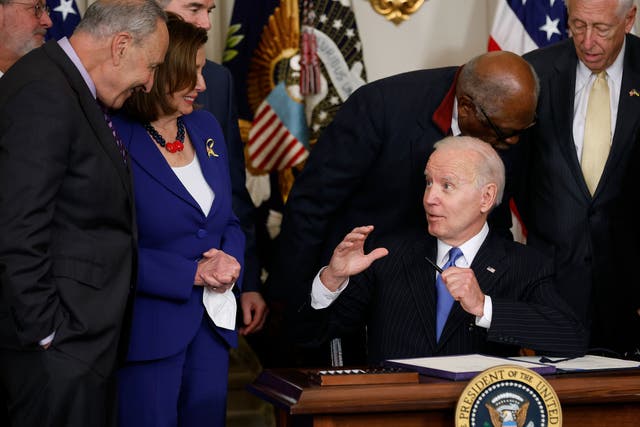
210 142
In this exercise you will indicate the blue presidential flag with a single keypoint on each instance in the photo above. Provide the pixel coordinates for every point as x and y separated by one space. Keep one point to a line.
520 26
65 16
294 63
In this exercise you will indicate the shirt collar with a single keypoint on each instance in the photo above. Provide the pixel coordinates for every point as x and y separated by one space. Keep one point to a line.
614 72
469 248
73 56
455 128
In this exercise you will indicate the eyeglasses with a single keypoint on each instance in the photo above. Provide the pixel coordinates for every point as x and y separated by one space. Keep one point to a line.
38 8
500 134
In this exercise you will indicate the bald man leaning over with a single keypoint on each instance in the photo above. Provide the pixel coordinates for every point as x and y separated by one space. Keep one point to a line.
367 167
67 230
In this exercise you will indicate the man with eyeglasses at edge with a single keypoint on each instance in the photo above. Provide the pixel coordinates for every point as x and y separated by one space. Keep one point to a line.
367 167
565 217
23 26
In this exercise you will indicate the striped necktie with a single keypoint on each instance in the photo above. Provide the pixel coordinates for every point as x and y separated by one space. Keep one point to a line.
107 118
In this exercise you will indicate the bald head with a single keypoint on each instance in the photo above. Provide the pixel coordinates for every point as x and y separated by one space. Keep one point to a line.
497 90
499 77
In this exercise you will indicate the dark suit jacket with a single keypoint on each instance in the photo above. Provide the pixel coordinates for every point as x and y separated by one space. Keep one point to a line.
624 283
396 300
367 168
561 217
67 229
219 100
174 233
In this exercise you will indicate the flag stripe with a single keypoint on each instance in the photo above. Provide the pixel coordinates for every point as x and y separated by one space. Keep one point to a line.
271 146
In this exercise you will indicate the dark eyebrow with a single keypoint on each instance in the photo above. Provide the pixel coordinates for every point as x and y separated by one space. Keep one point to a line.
196 5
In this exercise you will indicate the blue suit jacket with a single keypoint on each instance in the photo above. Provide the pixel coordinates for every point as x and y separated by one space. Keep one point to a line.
174 233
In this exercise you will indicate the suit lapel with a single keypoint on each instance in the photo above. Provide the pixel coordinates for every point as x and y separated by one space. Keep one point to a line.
421 278
488 266
562 85
489 263
628 117
210 162
92 111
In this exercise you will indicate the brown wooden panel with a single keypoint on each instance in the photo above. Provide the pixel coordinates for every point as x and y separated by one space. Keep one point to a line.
587 399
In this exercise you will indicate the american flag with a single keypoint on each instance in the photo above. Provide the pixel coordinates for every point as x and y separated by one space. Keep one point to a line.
278 138
65 16
524 25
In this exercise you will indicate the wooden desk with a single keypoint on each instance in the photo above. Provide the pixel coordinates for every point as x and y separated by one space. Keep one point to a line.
588 399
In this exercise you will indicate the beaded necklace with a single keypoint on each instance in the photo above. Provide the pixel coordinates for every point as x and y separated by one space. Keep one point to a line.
172 147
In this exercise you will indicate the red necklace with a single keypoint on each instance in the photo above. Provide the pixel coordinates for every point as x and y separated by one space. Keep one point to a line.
172 147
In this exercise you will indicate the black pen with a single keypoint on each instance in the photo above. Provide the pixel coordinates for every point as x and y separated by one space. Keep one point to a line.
545 359
434 265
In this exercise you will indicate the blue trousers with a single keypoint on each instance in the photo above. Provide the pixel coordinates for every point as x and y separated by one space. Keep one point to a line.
186 389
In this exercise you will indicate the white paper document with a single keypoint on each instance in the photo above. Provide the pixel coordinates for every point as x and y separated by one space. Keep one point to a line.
585 363
464 366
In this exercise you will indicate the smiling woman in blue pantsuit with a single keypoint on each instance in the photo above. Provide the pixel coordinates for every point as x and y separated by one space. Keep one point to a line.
191 246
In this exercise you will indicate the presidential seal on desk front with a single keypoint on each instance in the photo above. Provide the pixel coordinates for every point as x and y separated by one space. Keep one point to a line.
508 396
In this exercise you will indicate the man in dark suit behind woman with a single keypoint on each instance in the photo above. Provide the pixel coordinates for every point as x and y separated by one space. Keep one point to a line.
67 229
566 218
502 292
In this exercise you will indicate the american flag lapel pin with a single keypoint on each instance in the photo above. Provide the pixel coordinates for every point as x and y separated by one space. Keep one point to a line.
634 92
210 153
491 269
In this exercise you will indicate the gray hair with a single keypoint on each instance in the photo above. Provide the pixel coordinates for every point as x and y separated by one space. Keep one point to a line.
623 7
105 18
490 91
163 3
487 166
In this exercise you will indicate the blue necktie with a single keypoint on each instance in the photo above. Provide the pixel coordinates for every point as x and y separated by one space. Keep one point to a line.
445 300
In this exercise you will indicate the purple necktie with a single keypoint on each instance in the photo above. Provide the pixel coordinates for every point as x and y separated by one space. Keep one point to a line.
107 118
445 300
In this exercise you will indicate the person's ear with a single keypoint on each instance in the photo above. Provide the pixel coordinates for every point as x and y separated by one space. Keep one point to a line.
120 44
488 197
466 107
630 19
